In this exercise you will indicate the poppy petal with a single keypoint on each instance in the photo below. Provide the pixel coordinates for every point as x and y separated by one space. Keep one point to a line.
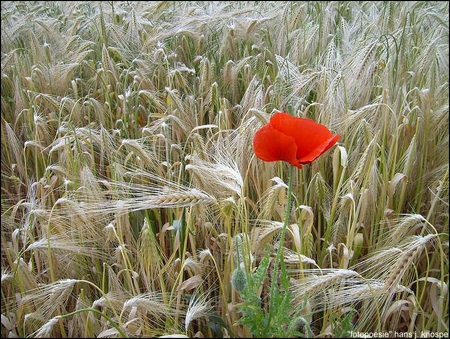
319 150
312 139
272 145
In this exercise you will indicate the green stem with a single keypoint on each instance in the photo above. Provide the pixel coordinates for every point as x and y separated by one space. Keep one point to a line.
122 333
279 259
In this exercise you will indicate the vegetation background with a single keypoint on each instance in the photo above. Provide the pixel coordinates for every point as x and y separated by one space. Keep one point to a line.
132 202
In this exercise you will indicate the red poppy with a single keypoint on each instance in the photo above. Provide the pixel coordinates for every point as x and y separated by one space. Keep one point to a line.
294 140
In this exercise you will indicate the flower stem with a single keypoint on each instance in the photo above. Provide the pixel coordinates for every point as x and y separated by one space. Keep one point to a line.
279 259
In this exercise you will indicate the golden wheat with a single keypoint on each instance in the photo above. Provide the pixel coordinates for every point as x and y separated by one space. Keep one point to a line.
129 177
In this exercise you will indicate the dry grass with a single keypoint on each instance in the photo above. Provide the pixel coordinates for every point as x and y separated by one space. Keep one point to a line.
132 202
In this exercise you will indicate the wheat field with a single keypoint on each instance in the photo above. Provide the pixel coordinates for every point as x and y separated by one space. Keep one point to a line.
134 206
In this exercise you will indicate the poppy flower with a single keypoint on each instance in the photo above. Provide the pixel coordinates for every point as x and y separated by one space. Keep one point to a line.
294 140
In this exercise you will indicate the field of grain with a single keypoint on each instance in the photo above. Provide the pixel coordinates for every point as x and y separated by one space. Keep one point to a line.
133 204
